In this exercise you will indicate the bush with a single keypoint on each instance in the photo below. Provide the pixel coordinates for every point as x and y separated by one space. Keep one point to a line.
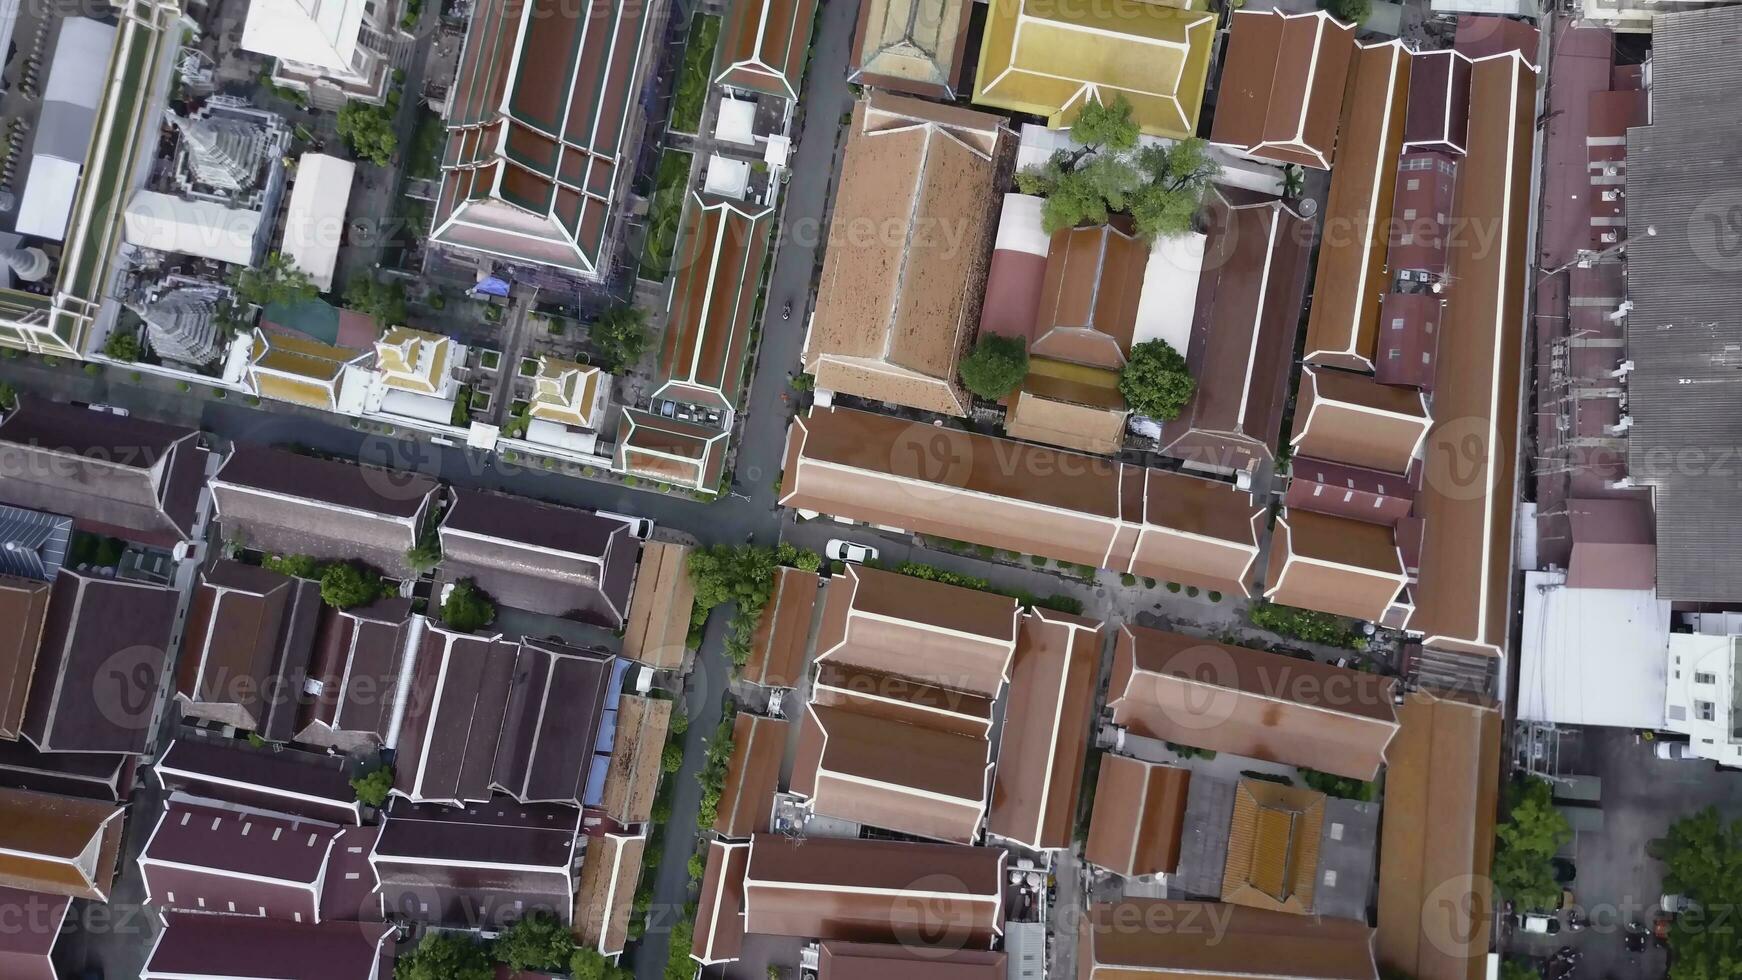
1215 596
691 95
1173 586
93 369
1061 603
995 366
1148 582
536 941
620 336
296 566
1127 579
345 585
678 965
1155 381
371 787
1303 624
122 346
467 607
1192 590
698 869
1038 561
933 574
1351 11
672 758
1341 787
183 386
590 964
445 956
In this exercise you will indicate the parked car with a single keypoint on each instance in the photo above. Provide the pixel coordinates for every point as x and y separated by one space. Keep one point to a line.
839 550
640 527
1675 904
1537 923
1676 751
111 409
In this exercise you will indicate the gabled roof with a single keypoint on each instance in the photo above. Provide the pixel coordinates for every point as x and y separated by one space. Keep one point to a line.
1282 83
1335 565
1046 59
360 658
1243 334
537 122
1261 705
1251 943
1351 419
895 309
1140 810
1273 847
610 872
23 610
719 935
1045 736
413 360
944 635
1343 326
97 627
117 475
669 450
218 859
566 392
1068 405
290 368
659 608
752 776
210 947
453 717
722 247
926 896
765 46
482 866
912 46
33 543
1354 492
558 724
58 845
631 780
25 948
777 649
879 961
285 503
284 781
557 561
249 638
1088 304
1439 102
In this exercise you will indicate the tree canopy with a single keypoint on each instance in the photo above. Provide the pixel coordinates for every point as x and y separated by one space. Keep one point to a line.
1155 381
620 335
122 345
742 575
368 129
536 941
590 964
995 366
467 607
1349 11
445 956
1160 186
1702 858
277 280
1525 845
1105 125
372 787
344 585
385 301
425 555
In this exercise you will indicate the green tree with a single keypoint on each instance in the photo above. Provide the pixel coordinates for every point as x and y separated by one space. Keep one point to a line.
680 722
1702 857
678 965
445 956
296 566
368 129
620 336
1349 11
424 556
1341 787
536 941
8 396
1512 968
345 584
385 301
277 280
1105 125
1174 181
1155 381
995 366
590 964
1525 844
122 345
467 607
672 758
372 787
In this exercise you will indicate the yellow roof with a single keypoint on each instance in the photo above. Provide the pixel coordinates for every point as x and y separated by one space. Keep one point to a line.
412 360
1047 58
564 391
297 369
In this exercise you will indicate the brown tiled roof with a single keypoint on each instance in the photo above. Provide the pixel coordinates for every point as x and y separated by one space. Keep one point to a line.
25 948
218 947
1242 346
537 124
1614 544
720 254
1261 705
912 46
453 717
947 636
1281 92
359 657
557 704
913 779
23 607
1421 209
201 858
58 845
1411 339
670 450
1439 102
1140 810
925 896
898 304
1341 490
777 650
659 608
1053 681
1154 937
286 781
882 961
902 699
752 776
719 935
558 561
1012 495
246 653
1437 839
1482 36
765 46
1273 847
115 628
1347 418
1076 416
1088 304
610 873
1464 593
1352 273
632 779
478 867
117 475
1334 565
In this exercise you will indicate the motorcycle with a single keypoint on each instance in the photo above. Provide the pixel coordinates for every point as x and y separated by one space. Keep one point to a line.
786 311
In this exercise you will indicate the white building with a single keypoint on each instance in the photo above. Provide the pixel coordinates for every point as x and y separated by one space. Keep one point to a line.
1702 699
314 223
334 50
1592 657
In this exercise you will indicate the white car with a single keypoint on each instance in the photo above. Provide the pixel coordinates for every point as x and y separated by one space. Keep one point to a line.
840 550
1538 923
639 527
111 409
1674 751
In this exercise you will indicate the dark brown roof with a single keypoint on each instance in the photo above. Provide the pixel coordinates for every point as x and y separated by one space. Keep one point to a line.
1411 339
58 845
752 776
687 454
610 876
925 896
1482 36
882 961
104 647
1248 314
1261 705
1421 208
359 657
118 475
537 122
286 781
23 607
765 46
1439 102
103 776
453 716
1139 937
1088 303
284 503
1464 594
1282 85
1437 839
558 561
1614 544
25 948
719 935
557 704
212 947
1053 681
1352 419
777 649
487 864
1334 565
201 858
1140 810
1347 491
721 250
250 636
